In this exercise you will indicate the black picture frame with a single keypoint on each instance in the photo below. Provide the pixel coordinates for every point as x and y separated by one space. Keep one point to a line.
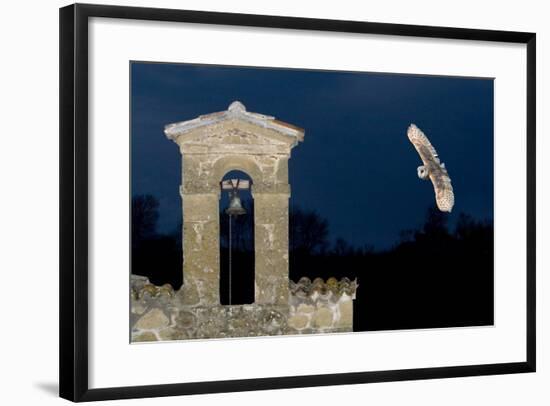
73 378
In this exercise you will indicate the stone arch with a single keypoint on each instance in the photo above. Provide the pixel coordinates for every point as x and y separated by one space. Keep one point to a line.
260 146
245 164
212 145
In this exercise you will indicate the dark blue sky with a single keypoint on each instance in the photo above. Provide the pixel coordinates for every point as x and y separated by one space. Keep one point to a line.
356 166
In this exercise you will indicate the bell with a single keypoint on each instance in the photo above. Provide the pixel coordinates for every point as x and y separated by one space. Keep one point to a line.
235 206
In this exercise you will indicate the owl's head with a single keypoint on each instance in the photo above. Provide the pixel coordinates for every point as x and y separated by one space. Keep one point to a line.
422 172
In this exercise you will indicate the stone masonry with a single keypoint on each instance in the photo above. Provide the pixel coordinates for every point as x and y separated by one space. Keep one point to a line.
159 313
212 145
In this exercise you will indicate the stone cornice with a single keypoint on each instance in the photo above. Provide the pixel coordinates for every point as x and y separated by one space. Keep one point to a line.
236 111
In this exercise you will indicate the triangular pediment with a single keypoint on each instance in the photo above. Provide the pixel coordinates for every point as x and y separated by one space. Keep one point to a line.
234 132
235 126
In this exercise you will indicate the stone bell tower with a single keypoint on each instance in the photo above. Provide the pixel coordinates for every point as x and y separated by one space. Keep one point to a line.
212 145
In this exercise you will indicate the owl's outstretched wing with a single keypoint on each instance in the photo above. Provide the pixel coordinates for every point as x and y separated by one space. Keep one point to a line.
423 146
444 195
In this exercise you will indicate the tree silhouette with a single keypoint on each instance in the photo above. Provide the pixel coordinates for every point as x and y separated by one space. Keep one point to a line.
308 231
433 277
342 248
435 224
145 215
157 256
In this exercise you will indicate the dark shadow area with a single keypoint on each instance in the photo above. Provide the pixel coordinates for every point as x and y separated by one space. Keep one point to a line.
157 256
433 277
242 247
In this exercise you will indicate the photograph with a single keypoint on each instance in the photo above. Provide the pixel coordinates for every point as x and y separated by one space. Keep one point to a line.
301 199
272 201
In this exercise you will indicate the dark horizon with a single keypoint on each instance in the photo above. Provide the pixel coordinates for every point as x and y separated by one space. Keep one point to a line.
434 277
356 167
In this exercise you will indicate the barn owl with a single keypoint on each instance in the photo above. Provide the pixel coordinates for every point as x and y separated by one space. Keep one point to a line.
432 168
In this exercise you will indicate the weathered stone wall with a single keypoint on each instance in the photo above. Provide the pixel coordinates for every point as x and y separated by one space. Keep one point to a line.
319 307
271 243
160 313
212 145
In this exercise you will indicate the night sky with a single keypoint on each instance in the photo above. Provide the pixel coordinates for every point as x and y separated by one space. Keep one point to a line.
356 166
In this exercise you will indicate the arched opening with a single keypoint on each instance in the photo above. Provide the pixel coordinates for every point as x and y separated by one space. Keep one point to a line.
236 241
